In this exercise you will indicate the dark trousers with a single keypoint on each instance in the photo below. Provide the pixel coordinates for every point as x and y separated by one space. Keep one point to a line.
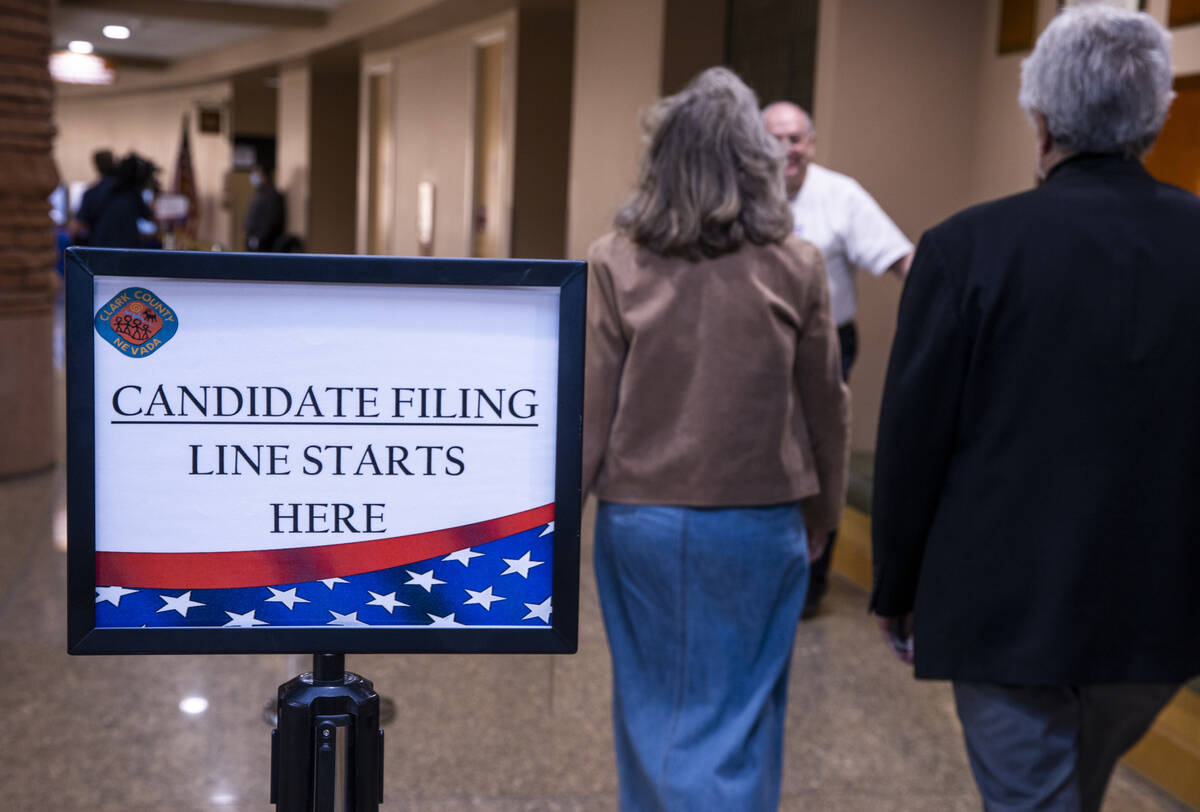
1051 747
819 567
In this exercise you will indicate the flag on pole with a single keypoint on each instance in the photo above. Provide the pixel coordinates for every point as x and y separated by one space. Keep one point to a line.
184 184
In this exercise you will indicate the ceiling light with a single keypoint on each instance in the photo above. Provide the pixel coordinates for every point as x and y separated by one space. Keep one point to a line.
115 32
81 69
194 705
79 46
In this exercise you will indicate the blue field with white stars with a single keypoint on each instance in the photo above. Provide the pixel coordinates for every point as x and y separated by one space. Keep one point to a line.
503 583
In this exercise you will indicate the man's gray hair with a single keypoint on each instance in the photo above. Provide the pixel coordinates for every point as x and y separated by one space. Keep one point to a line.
1102 78
711 177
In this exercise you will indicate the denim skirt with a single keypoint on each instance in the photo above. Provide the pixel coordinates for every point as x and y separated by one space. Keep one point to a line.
700 606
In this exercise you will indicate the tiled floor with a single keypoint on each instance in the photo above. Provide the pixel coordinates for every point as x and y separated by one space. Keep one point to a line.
502 733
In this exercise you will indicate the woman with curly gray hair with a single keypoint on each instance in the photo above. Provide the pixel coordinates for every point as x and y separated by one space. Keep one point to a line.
715 437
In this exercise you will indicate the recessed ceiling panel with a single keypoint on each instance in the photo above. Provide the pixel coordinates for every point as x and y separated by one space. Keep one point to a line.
165 37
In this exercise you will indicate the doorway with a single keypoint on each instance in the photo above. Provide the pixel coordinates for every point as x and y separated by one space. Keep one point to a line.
772 45
489 159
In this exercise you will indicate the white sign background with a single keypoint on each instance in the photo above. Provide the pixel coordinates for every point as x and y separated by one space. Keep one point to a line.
295 335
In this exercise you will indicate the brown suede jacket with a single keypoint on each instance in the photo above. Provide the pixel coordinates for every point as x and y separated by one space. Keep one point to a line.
714 383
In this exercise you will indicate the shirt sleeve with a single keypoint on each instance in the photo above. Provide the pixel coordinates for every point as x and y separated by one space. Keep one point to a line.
872 241
917 425
605 358
825 400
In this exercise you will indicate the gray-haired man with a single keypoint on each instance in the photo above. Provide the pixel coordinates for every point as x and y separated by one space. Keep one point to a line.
1039 451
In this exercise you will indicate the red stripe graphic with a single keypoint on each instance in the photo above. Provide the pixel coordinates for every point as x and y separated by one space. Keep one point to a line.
292 566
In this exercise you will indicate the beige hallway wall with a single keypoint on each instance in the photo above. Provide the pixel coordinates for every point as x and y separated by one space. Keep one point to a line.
149 123
929 124
990 147
1004 143
894 108
432 114
618 64
432 84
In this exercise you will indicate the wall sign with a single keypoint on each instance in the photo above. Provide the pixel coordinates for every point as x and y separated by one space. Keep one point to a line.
335 454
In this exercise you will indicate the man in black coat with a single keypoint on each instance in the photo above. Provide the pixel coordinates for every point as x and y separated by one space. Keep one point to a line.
1037 492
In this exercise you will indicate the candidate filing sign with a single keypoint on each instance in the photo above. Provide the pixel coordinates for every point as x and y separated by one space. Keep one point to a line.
295 454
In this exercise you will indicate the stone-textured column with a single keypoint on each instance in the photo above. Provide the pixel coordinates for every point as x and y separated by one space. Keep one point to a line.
27 249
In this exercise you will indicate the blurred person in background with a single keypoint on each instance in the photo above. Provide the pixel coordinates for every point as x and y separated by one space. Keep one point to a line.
715 438
1035 511
266 217
106 168
836 214
110 217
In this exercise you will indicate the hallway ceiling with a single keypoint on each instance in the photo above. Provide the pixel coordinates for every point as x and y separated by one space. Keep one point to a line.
164 30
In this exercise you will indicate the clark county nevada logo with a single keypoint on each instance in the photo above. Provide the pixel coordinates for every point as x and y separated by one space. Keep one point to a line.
136 322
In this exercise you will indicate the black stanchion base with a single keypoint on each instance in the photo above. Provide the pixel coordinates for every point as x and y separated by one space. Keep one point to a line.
327 751
387 711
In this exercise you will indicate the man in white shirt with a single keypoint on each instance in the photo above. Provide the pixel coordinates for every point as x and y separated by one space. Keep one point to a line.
836 214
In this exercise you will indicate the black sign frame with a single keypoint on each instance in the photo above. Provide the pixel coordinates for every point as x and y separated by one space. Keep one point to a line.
85 264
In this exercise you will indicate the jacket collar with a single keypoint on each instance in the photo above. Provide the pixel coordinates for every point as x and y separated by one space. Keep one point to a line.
1089 162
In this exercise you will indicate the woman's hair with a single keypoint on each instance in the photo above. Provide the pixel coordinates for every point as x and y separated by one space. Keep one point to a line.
711 177
1102 78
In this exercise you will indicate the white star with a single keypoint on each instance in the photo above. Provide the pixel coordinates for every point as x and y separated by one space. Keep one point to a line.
244 621
446 622
521 566
539 610
329 582
387 601
463 556
350 619
287 597
112 594
549 529
180 604
484 598
424 579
